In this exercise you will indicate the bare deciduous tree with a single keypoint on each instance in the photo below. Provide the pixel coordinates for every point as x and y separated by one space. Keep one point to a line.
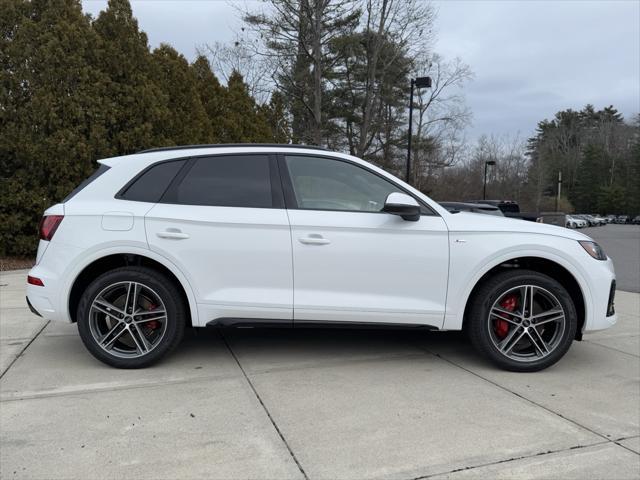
442 115
237 56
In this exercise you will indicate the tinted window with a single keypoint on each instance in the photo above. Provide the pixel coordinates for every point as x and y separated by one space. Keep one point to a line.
324 184
509 207
101 169
150 186
227 181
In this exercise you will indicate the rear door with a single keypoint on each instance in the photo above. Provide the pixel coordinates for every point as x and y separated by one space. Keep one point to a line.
223 223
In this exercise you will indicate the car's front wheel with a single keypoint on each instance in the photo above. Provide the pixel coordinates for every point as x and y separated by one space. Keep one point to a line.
522 320
131 317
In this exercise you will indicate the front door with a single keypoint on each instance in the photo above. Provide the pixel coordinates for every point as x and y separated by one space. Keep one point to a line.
352 262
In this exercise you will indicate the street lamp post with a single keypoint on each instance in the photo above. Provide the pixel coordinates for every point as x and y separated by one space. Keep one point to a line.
484 186
420 82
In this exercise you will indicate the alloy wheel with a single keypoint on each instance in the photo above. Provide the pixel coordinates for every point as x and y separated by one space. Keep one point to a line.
526 323
127 319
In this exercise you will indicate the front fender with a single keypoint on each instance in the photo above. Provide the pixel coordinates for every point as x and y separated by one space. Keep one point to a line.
472 259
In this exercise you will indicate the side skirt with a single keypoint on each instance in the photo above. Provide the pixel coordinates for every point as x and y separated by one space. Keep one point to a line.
275 323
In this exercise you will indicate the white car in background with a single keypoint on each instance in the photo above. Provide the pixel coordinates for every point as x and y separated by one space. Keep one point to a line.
575 222
286 235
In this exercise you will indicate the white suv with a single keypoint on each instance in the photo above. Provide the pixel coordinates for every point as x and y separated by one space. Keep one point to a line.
288 235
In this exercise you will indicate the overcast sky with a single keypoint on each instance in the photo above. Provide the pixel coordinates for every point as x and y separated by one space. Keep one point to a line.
530 58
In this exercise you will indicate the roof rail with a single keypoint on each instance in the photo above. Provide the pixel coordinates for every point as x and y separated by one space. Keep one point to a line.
226 145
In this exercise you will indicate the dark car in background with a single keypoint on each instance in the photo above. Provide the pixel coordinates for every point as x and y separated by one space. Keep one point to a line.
508 207
455 207
622 219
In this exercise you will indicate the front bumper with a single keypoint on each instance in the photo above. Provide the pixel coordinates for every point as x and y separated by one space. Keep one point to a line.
602 287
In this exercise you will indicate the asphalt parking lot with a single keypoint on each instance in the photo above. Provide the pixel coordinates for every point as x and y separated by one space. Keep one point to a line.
319 403
622 244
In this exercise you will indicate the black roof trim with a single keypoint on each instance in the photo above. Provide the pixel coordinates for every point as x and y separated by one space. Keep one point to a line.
226 145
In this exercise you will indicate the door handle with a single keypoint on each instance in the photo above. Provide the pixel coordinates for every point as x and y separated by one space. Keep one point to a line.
314 239
173 233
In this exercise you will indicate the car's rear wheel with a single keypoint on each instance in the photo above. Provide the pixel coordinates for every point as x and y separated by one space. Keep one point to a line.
131 317
522 320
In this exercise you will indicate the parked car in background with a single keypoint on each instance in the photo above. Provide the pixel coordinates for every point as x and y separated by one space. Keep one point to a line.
594 220
575 222
583 218
622 219
508 207
600 219
610 218
590 221
455 207
636 220
221 235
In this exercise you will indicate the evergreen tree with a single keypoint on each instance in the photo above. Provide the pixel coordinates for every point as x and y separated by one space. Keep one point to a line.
136 106
212 97
591 176
187 122
242 120
52 124
277 118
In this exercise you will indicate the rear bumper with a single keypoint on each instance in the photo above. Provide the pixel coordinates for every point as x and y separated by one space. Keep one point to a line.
43 302
50 300
31 307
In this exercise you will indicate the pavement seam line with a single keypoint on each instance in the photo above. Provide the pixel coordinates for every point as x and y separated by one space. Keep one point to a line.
617 442
266 410
513 459
114 388
520 396
27 345
102 389
592 342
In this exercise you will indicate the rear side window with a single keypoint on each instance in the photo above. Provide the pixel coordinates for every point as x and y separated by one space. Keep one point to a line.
152 183
101 169
226 181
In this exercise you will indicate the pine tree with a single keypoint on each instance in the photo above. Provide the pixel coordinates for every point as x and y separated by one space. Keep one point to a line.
212 97
187 122
242 120
136 106
52 124
591 176
276 115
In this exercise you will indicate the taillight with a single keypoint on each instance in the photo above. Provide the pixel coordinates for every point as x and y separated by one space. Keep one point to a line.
35 281
48 226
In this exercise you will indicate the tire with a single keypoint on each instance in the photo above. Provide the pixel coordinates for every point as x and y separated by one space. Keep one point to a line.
506 337
138 339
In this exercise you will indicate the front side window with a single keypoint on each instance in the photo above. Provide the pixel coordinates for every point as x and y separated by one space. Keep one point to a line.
227 181
325 184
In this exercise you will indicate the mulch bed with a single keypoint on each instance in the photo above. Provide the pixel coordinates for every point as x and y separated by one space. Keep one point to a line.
15 263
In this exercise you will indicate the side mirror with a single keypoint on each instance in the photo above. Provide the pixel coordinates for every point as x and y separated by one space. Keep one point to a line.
403 205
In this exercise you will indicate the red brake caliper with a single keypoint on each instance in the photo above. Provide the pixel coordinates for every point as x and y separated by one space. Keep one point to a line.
153 324
502 326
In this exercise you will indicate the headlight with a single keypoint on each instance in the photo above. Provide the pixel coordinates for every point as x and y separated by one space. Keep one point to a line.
593 249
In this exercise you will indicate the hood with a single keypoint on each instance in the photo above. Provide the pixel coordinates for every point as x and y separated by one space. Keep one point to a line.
478 222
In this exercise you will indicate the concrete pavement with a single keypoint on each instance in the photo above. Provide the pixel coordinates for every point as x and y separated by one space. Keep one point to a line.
314 404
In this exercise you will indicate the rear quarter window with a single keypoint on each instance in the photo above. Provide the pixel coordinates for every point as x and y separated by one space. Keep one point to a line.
151 184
